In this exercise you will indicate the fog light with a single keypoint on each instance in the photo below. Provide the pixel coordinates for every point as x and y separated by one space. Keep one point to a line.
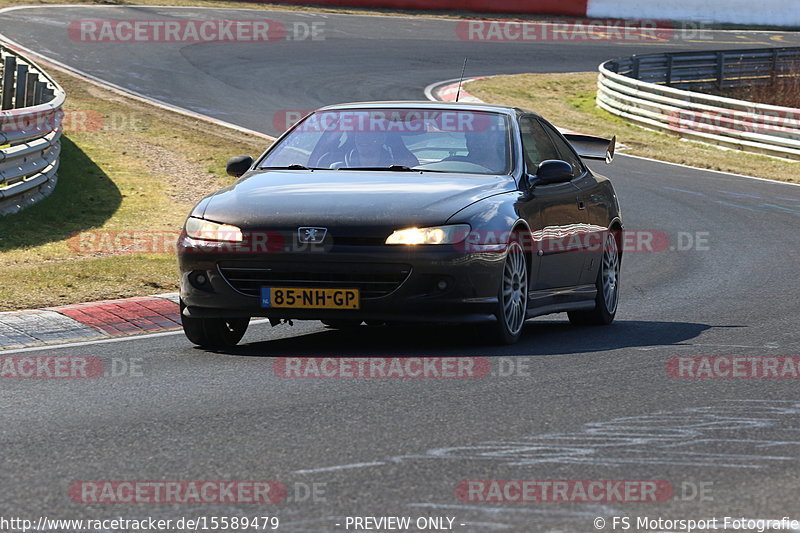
199 279
442 285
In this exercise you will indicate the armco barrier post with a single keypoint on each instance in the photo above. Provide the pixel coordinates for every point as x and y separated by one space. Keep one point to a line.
22 80
775 64
9 66
40 87
30 89
670 59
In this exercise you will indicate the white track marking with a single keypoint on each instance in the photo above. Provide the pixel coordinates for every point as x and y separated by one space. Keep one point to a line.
106 341
338 467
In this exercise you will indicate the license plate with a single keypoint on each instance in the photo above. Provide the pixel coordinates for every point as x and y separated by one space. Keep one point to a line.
305 298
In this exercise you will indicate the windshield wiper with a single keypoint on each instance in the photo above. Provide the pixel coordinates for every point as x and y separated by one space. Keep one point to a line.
294 166
392 168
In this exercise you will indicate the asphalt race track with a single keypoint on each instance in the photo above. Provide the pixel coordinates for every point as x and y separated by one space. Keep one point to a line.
579 403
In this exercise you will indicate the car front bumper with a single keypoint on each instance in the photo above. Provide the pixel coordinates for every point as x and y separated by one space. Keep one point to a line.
409 277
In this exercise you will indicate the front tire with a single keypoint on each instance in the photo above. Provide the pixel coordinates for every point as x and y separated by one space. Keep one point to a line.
513 297
607 284
213 332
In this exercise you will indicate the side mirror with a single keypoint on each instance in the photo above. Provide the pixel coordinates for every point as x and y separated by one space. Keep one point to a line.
238 165
553 171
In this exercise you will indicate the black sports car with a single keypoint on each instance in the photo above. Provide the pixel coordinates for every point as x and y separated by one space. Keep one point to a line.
391 212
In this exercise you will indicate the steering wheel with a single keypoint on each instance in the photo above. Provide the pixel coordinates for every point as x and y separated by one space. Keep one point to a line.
328 160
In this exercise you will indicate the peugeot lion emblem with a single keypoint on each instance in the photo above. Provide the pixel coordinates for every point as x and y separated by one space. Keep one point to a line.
311 235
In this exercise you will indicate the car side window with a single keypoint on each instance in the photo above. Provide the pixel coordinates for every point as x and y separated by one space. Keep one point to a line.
566 152
536 144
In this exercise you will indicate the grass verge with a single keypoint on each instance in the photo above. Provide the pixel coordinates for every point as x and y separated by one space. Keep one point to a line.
126 166
569 101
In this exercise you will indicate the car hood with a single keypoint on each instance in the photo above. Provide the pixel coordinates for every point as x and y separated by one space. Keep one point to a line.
278 198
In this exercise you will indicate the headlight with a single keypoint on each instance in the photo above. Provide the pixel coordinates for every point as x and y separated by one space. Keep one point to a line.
197 228
436 235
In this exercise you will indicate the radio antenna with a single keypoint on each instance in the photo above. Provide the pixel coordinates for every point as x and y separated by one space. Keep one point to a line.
461 80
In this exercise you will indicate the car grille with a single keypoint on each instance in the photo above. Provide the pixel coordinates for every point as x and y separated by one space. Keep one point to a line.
371 279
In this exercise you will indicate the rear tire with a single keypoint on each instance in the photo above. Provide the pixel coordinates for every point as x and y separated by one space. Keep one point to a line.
213 332
607 284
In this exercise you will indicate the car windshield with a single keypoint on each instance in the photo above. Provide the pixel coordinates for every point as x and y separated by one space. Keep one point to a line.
427 140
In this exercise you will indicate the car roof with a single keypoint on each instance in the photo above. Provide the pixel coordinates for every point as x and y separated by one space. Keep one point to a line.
427 104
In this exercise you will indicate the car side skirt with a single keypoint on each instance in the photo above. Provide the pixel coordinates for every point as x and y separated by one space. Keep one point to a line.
549 301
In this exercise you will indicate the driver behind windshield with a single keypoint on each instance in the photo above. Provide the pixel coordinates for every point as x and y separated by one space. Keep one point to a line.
485 148
377 149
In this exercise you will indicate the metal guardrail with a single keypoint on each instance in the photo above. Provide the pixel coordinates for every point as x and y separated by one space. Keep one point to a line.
30 132
658 91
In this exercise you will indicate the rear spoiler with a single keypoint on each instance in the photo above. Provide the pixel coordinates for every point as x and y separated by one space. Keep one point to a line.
590 147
